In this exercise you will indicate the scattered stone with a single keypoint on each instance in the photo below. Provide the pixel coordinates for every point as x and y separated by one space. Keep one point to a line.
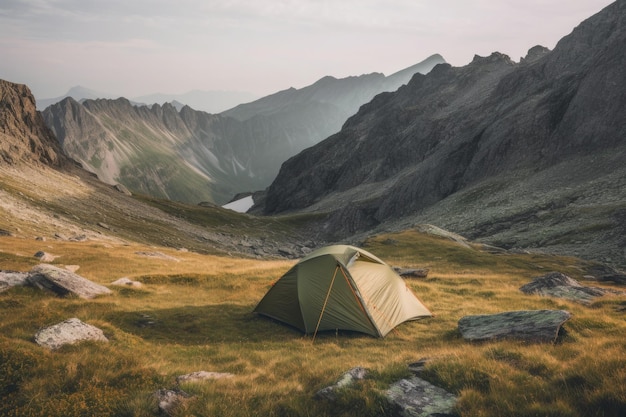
157 255
127 282
528 325
417 368
122 189
346 380
415 397
68 332
202 376
78 238
63 282
5 232
45 256
104 226
287 252
429 229
411 272
169 399
40 238
556 284
10 279
72 268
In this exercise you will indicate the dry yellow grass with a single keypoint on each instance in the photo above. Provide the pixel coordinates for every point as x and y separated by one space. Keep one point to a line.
195 314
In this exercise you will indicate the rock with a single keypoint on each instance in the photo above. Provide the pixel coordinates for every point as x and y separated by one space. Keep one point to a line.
9 279
418 367
72 268
68 332
346 380
415 397
411 272
126 282
63 282
5 233
45 256
202 376
104 226
532 326
617 278
169 399
556 284
40 238
122 189
287 252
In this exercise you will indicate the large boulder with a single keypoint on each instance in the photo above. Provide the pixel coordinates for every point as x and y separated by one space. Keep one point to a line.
63 282
9 279
415 397
69 331
528 325
556 284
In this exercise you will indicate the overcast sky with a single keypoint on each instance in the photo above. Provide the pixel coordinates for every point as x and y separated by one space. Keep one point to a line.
136 47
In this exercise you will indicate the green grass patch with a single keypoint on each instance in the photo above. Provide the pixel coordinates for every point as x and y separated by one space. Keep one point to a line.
196 315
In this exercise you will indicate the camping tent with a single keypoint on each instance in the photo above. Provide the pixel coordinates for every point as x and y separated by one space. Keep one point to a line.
341 287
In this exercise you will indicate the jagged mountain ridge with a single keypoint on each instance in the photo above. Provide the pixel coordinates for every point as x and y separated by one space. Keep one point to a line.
156 150
407 153
194 156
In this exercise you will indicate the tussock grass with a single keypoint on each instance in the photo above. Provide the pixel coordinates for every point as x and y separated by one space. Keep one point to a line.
196 314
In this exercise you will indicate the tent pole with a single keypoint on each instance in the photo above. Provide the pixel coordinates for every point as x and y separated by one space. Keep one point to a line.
325 302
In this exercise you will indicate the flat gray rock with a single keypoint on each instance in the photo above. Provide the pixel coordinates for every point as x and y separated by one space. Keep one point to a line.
63 282
415 397
528 325
346 380
202 376
127 282
9 279
169 399
69 331
411 272
556 284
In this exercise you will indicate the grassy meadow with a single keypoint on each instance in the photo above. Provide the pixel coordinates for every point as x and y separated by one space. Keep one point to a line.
194 314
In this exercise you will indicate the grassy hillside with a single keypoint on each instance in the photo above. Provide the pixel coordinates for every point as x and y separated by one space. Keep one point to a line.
194 314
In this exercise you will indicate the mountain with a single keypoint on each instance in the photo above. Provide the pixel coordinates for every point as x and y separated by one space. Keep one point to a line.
23 134
340 98
78 93
45 195
530 154
158 150
208 101
193 156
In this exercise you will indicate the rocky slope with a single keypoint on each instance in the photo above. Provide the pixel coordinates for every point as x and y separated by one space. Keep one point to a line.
529 154
23 134
193 156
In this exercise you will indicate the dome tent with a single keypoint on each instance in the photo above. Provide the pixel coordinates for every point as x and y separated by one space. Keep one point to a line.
342 287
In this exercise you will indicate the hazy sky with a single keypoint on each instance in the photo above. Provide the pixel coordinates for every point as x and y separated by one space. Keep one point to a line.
136 47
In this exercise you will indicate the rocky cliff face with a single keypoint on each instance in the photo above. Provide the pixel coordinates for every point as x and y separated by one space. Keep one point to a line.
492 126
23 134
